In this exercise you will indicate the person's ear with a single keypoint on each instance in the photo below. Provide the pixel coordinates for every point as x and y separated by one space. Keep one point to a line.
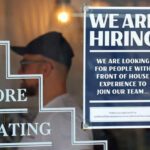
47 69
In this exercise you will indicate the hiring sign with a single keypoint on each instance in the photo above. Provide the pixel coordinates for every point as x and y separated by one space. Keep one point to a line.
116 67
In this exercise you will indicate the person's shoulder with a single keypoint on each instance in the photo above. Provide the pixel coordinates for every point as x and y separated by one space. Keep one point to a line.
71 101
69 108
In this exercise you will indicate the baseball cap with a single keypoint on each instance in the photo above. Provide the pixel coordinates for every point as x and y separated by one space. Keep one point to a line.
51 45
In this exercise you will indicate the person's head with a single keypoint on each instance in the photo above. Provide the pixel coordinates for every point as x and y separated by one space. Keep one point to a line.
49 55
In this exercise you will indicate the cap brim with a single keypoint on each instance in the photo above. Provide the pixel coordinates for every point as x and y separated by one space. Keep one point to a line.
19 50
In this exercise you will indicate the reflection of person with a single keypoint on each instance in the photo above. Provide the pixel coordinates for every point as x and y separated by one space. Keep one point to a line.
51 56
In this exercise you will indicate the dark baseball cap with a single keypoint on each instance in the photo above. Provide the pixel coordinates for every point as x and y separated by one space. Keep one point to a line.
51 45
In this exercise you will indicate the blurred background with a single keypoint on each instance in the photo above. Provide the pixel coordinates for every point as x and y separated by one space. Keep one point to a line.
23 20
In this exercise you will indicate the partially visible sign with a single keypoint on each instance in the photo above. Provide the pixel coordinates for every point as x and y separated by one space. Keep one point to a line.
116 67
